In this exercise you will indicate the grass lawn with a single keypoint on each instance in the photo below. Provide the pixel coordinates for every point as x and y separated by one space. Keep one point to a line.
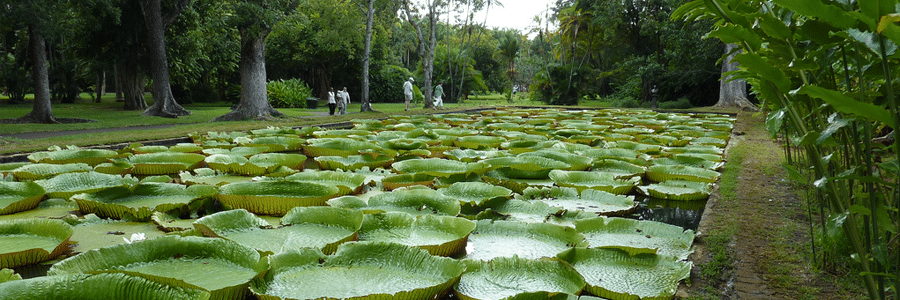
109 114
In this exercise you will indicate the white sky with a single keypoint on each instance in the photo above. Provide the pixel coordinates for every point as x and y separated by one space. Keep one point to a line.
516 14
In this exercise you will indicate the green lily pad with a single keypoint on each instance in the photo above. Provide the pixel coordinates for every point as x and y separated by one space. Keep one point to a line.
677 190
687 160
348 183
275 197
576 162
440 167
439 235
479 142
415 200
660 173
93 232
85 286
91 157
40 171
614 274
353 162
669 241
626 155
591 201
584 180
526 167
472 195
492 239
169 222
502 278
68 184
139 203
360 270
164 163
8 275
273 143
341 147
394 182
31 241
469 155
185 262
19 196
210 177
322 228
619 168
241 151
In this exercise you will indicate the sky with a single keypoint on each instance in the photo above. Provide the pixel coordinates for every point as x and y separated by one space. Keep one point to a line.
516 14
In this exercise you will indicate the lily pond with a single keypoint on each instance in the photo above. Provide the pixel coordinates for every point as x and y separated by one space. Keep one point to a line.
496 204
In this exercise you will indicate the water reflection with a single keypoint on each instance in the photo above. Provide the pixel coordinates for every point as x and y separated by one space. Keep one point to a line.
685 214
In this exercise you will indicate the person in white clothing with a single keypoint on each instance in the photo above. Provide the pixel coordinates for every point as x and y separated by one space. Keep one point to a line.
408 92
331 103
439 96
345 100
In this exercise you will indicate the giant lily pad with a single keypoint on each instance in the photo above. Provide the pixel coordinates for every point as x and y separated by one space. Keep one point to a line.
439 235
492 239
660 173
19 196
91 157
677 190
668 241
614 274
590 200
393 182
415 200
348 183
88 286
479 142
41 171
258 164
362 270
210 177
164 163
353 162
30 241
68 184
472 195
221 267
619 168
440 167
322 228
274 143
92 232
275 197
583 180
504 277
143 200
340 147
469 155
526 167
576 162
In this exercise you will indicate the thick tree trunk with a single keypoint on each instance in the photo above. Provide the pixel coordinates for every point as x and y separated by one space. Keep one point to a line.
131 85
164 104
118 77
101 86
42 111
370 16
426 48
254 101
733 92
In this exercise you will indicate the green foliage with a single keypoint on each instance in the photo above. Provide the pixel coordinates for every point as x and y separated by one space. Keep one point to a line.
417 95
681 103
825 71
387 84
560 84
625 102
290 93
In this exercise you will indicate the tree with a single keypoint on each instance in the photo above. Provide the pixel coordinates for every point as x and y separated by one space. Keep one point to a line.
255 20
733 91
426 47
164 104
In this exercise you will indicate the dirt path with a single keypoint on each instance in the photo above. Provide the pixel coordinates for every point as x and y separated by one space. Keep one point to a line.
762 224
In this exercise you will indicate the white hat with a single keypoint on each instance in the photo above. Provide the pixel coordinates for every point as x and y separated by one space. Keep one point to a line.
411 79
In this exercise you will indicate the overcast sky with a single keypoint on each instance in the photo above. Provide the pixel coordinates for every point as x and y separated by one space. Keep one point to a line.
517 14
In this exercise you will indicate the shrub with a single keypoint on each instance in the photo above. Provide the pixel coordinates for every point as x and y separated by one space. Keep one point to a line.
681 103
625 102
417 95
290 93
387 84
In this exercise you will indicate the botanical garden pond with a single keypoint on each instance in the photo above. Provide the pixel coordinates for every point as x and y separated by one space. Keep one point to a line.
510 202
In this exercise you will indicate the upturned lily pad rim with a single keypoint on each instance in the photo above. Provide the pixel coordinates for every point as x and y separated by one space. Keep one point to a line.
56 230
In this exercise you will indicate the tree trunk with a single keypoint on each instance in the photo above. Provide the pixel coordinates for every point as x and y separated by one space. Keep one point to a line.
370 16
130 84
118 78
254 101
101 85
426 50
164 104
42 112
732 91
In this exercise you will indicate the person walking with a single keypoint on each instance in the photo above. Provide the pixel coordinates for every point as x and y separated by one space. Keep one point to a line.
408 92
438 96
345 100
331 103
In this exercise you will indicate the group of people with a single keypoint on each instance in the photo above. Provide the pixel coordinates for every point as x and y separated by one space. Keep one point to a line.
338 100
438 94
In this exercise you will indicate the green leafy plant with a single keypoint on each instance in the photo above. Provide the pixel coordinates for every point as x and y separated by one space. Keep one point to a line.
291 93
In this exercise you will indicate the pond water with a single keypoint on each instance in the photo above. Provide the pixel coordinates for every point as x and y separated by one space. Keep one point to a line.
685 214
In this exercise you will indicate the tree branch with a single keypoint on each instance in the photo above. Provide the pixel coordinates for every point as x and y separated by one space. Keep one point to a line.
172 15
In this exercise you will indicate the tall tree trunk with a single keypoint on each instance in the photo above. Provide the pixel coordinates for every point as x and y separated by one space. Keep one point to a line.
164 104
131 84
370 16
118 78
733 91
101 85
254 101
42 111
426 47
